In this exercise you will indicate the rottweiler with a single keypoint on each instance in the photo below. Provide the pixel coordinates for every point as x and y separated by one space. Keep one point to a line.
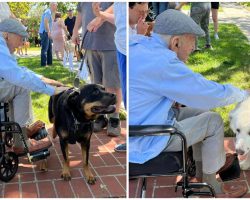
73 112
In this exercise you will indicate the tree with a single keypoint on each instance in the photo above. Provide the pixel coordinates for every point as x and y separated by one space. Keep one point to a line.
20 9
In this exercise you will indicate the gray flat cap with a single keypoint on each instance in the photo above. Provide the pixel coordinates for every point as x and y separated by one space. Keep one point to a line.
174 22
11 25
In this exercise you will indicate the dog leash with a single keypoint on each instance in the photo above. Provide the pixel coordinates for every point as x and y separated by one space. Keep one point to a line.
77 78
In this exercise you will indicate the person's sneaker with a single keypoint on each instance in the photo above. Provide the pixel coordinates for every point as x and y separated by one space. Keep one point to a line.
34 146
121 147
114 127
197 50
208 46
100 123
216 36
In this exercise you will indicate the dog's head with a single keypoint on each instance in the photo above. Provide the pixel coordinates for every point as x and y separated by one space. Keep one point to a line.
240 125
92 100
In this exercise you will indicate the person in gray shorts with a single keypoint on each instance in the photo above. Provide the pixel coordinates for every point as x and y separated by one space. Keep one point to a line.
200 12
101 59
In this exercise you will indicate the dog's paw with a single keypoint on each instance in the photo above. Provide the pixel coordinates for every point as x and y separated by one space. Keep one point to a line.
91 180
66 176
244 165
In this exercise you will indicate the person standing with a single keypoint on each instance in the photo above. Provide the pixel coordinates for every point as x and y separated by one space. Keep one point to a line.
45 34
58 35
70 22
214 9
101 58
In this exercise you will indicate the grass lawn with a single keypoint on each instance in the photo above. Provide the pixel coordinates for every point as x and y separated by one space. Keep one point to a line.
229 62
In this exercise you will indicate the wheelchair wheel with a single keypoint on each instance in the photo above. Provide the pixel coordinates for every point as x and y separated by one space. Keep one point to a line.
9 140
8 166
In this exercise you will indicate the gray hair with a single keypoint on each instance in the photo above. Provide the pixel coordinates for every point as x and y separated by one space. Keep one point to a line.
166 38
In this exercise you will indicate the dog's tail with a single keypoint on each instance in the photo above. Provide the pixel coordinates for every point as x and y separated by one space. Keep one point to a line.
50 111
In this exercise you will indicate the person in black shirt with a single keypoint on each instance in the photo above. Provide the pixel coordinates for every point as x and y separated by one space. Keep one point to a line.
70 22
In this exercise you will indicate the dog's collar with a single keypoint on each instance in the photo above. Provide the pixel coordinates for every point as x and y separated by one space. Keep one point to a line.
77 123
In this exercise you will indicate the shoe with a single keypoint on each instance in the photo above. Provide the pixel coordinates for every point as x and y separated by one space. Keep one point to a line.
114 127
197 50
34 146
229 162
208 46
34 128
216 37
100 123
232 191
121 147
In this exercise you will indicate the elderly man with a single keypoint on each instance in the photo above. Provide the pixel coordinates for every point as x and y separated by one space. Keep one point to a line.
159 77
16 83
45 34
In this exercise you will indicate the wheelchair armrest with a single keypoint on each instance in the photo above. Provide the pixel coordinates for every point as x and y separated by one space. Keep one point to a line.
146 130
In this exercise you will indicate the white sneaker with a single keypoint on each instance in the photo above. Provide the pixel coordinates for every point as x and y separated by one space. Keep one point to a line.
216 36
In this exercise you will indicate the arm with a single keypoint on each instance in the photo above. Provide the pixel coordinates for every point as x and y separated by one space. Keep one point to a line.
107 15
77 26
46 24
97 22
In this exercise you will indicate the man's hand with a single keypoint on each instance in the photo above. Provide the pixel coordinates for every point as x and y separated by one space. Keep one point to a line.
52 82
96 9
94 24
49 34
60 89
142 26
75 38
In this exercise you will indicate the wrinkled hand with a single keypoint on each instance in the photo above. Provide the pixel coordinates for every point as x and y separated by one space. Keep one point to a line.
60 89
142 26
96 9
52 82
94 24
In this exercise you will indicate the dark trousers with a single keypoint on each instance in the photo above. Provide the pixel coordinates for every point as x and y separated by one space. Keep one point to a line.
46 49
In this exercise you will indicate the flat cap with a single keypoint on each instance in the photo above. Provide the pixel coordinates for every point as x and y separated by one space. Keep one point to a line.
174 22
11 25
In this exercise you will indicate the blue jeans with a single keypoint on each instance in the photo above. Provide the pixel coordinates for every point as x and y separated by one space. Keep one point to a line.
46 49
159 7
121 59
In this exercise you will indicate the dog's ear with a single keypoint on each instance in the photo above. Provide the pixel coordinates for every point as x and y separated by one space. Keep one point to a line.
72 98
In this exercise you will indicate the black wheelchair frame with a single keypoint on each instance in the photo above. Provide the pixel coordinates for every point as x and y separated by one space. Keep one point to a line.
183 168
8 159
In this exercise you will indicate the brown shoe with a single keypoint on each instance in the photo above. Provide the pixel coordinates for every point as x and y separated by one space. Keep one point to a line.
232 191
34 146
33 128
229 162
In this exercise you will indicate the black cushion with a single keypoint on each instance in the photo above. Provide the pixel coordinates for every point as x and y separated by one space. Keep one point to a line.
166 163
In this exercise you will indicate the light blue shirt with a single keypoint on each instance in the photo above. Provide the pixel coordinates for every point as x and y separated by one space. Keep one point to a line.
120 23
46 15
20 76
157 78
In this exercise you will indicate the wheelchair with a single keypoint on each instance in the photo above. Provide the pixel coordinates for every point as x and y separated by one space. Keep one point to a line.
167 163
8 159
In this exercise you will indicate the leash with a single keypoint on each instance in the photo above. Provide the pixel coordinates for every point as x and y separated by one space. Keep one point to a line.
77 78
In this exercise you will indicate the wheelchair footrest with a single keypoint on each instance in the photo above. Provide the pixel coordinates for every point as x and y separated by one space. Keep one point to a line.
39 155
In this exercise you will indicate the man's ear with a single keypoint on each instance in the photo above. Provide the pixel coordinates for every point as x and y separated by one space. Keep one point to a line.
174 43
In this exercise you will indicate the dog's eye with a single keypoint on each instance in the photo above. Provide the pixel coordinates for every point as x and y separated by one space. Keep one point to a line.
238 130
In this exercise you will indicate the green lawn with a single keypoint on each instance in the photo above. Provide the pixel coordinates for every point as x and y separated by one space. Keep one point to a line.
229 62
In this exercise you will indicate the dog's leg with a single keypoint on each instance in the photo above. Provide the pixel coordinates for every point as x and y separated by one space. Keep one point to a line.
65 171
245 164
85 157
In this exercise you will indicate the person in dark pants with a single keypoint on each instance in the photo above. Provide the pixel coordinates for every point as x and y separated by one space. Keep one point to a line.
70 22
45 34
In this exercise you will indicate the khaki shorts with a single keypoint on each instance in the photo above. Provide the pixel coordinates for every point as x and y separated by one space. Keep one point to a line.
103 68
